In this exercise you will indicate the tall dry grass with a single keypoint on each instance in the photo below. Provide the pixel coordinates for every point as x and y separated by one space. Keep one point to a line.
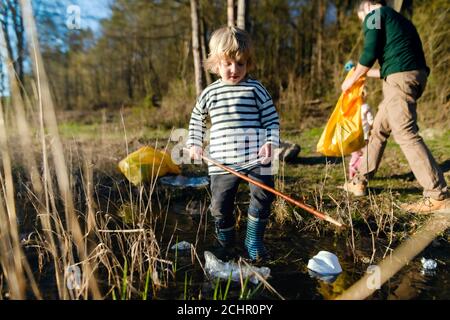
83 248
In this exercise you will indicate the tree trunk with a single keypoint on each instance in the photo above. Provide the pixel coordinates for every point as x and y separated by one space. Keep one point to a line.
2 83
241 14
155 84
318 9
196 47
203 45
230 13
18 29
5 26
319 44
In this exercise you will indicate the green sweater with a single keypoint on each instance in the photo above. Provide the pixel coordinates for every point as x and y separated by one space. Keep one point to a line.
393 40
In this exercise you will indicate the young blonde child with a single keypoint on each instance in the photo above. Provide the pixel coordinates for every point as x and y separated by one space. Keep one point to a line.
367 122
244 130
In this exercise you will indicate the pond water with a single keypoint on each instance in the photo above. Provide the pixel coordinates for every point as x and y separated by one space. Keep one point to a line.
291 251
290 248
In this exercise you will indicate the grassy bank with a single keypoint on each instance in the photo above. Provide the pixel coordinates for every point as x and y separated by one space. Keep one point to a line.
125 229
312 177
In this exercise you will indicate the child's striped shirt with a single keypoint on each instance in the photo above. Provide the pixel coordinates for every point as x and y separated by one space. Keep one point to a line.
243 118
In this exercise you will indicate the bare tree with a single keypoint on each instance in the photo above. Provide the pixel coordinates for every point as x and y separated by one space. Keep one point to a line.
2 82
19 32
10 12
230 13
196 47
203 45
241 11
319 43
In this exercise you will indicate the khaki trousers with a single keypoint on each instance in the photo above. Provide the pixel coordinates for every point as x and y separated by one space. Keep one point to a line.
397 116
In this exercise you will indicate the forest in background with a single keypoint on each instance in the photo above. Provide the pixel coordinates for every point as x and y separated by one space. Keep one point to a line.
142 54
66 211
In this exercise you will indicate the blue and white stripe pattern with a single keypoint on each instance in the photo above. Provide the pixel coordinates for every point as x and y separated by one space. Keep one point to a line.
243 118
226 236
254 237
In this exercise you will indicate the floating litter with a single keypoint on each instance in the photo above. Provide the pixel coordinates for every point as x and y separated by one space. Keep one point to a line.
428 264
428 267
216 268
183 245
325 264
325 278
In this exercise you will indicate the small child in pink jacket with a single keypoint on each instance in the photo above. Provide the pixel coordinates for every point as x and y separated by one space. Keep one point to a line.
367 122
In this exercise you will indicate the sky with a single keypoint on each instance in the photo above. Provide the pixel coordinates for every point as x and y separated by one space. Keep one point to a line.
91 11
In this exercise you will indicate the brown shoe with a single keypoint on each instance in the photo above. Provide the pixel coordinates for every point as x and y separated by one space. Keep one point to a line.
427 205
358 189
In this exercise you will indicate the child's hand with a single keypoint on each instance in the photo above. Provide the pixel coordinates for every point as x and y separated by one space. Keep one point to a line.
195 152
265 153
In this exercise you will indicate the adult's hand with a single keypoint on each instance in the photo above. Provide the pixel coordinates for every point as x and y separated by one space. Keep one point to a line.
347 84
360 70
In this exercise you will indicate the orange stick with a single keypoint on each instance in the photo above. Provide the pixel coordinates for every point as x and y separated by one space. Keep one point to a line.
276 192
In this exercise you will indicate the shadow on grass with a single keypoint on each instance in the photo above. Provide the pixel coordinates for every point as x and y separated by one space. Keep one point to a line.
445 166
409 176
317 160
379 190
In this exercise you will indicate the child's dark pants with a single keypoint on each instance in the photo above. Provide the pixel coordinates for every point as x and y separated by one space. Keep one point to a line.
224 188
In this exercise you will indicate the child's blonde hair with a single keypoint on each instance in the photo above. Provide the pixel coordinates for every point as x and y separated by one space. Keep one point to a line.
229 43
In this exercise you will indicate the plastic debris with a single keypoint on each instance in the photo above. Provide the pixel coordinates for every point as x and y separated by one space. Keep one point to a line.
216 268
325 278
344 132
146 163
428 264
181 181
428 267
183 245
325 264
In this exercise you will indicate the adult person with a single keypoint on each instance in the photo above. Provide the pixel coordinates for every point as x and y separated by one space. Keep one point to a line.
393 40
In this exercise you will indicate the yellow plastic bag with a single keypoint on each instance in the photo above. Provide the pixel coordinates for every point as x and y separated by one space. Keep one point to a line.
147 163
344 132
